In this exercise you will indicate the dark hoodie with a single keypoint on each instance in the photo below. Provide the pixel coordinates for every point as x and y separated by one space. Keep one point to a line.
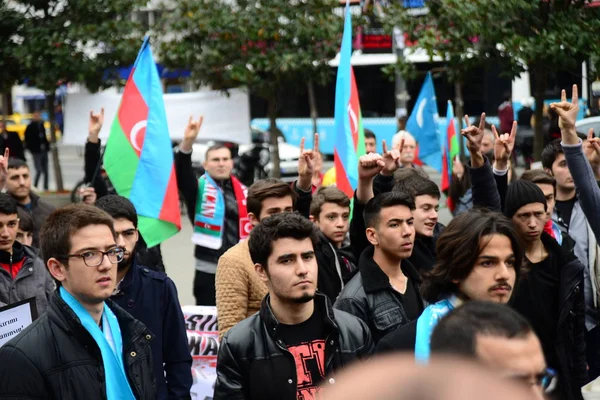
329 280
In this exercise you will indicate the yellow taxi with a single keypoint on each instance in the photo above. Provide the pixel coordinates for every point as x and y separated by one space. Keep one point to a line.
18 123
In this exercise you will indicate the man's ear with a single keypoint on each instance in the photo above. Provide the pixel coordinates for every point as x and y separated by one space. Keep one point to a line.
312 218
262 272
253 219
372 236
56 269
549 171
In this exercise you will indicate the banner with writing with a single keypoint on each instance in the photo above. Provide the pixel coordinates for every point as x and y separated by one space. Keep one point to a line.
16 317
203 342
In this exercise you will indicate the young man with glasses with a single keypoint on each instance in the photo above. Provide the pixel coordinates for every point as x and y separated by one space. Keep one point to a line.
22 273
499 338
85 346
151 298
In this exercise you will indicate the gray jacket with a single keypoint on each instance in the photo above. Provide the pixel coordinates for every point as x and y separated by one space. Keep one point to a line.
32 280
39 211
584 226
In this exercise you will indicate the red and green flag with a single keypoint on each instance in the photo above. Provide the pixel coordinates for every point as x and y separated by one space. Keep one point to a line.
138 157
450 151
349 133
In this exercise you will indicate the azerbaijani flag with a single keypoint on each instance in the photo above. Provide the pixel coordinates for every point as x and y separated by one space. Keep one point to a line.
449 152
138 157
349 133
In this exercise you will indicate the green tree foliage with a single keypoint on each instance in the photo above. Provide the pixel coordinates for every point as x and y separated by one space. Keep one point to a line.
12 25
74 41
540 36
266 46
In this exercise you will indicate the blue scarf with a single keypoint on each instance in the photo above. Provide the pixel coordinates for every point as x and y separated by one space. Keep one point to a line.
110 343
427 321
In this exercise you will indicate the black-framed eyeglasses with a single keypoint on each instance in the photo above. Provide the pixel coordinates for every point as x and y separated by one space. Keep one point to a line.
93 258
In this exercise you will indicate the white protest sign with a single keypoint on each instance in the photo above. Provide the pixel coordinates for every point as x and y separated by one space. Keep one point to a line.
203 342
16 317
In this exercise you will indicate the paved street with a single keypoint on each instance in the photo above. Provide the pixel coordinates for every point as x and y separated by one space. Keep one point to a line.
177 251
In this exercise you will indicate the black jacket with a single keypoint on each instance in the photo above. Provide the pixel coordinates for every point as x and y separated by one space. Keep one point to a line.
254 363
35 137
570 341
329 281
370 296
56 358
401 339
188 187
151 298
14 143
92 169
38 211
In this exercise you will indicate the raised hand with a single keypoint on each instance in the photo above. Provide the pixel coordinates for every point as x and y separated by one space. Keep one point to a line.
4 167
504 144
458 168
88 195
308 158
369 166
191 133
391 158
591 148
192 129
474 134
567 112
95 125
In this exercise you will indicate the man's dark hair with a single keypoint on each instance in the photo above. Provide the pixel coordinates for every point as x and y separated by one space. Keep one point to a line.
16 163
62 223
459 246
264 189
279 226
550 153
327 194
457 332
118 207
7 204
25 220
539 176
216 146
406 178
415 185
369 134
385 200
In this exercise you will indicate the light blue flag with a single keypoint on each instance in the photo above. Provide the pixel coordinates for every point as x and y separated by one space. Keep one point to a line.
422 124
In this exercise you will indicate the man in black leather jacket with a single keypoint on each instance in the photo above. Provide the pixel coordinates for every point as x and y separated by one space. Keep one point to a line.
84 346
385 292
296 341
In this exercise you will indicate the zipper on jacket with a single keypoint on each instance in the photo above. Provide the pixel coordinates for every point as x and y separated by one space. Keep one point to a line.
10 266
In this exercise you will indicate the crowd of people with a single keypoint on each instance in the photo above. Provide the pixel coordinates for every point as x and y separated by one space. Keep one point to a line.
315 291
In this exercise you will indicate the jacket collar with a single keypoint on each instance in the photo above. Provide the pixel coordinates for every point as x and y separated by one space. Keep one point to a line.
374 279
321 301
18 252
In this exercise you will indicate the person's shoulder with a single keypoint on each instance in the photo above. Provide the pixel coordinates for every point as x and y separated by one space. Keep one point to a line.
353 286
31 339
147 273
238 249
240 335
